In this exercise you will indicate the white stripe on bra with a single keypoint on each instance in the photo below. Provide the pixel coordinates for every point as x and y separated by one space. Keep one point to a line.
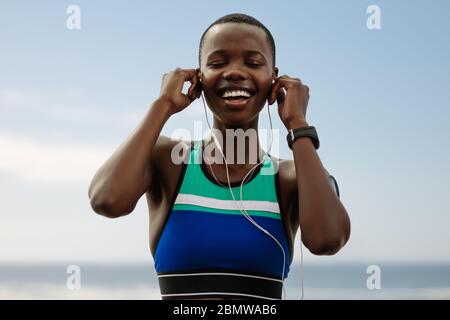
227 204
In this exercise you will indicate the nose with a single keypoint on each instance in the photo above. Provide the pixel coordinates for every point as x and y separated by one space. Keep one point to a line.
234 73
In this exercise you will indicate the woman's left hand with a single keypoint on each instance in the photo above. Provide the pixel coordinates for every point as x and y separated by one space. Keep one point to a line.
292 104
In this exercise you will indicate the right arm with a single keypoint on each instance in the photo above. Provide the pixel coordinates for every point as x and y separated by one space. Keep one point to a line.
121 181
126 175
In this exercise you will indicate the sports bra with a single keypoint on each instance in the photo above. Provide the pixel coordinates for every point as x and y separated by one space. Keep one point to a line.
208 248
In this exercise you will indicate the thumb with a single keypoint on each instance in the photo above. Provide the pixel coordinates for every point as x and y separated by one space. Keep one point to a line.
187 99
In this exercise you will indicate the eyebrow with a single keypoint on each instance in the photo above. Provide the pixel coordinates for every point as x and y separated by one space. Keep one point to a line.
247 52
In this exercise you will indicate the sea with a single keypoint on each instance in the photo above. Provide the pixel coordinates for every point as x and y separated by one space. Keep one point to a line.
139 282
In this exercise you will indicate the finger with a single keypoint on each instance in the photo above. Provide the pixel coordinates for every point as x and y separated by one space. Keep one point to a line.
280 102
273 92
192 76
188 74
279 83
184 75
270 96
193 86
198 91
187 99
281 96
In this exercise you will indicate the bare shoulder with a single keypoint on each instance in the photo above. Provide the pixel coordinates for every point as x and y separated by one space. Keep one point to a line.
165 148
287 179
166 160
286 172
288 195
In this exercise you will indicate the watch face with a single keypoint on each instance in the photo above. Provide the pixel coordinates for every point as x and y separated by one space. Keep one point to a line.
290 138
334 184
309 132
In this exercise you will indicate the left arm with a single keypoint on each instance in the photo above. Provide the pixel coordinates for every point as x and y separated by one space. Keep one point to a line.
324 222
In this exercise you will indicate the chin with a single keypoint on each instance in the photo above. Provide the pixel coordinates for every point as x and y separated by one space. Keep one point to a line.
233 119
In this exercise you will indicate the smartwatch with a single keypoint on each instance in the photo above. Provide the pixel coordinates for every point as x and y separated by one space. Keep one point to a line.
308 131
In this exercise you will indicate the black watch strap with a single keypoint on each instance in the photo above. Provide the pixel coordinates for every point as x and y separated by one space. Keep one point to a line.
308 131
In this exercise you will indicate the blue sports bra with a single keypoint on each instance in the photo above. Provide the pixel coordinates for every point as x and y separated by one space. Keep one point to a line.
207 248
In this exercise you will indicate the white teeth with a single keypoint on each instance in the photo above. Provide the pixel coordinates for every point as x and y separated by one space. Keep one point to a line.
236 93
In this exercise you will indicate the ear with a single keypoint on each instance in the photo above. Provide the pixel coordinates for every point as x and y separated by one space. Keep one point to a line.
275 72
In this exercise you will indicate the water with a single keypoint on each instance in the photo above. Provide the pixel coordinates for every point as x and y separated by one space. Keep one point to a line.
139 282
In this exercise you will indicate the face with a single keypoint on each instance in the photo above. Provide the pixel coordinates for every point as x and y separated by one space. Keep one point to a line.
236 61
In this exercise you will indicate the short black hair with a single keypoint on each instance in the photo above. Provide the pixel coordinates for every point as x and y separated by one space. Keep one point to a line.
239 18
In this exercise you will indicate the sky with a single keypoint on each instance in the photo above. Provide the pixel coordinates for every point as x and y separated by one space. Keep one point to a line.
69 97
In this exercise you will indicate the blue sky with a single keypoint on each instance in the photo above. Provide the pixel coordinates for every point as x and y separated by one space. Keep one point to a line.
68 98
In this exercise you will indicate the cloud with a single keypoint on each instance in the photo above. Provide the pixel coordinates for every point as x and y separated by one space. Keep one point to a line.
66 105
44 158
42 162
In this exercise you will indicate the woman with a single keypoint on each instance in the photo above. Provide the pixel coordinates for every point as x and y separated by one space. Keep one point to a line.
207 244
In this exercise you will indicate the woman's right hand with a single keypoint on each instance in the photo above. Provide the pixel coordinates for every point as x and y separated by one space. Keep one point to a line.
172 86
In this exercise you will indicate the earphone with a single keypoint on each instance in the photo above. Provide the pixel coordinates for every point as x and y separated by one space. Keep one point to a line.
243 211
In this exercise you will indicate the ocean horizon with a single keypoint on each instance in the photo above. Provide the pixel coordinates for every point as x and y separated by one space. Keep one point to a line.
138 281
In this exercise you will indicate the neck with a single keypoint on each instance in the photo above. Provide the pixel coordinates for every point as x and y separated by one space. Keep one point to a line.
240 144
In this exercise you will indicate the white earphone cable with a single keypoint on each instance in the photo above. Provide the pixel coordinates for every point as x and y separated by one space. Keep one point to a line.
243 211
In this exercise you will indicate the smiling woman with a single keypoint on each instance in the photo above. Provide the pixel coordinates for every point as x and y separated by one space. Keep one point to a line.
241 57
225 230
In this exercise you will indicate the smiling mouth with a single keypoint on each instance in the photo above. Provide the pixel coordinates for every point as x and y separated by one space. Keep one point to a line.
236 97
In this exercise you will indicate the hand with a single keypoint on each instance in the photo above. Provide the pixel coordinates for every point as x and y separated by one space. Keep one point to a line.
172 85
292 104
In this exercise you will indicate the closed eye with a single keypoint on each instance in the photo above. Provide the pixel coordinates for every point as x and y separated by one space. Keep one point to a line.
216 64
254 64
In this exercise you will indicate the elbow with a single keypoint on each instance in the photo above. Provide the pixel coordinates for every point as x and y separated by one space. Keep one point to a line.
104 201
109 207
325 248
330 245
335 240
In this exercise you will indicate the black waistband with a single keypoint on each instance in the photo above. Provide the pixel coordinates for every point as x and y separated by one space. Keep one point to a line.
237 285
